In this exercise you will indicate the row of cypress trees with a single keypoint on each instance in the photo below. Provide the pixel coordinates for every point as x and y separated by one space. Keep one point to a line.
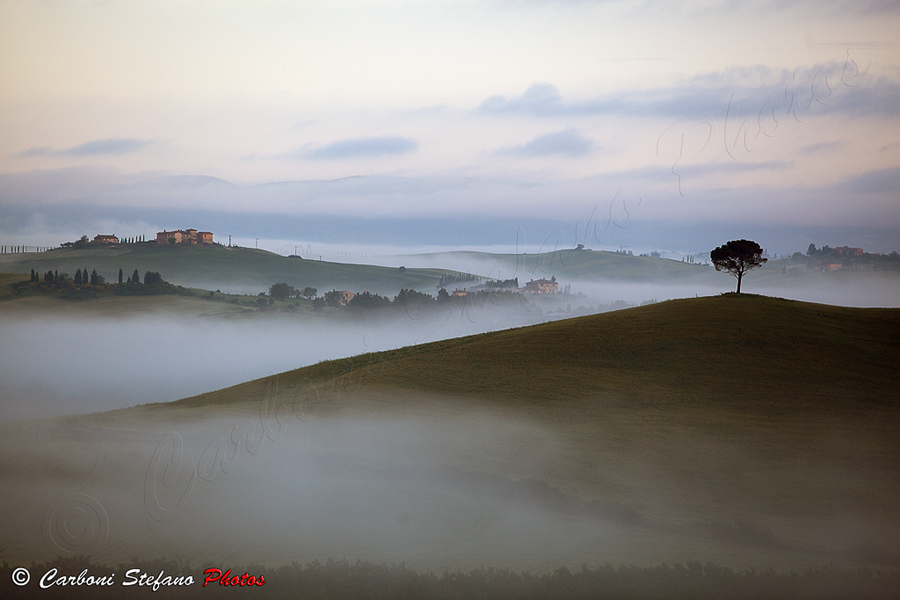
82 277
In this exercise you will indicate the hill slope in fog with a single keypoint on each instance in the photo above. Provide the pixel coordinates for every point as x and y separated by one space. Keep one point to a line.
744 430
734 352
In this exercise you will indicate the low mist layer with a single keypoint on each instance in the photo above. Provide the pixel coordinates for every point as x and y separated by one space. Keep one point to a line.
743 430
57 364
442 484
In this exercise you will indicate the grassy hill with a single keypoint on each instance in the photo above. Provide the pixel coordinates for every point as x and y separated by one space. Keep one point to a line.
747 430
734 351
214 267
563 264
760 418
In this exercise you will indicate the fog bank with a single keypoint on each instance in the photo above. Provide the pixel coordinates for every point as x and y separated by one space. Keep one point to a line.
52 365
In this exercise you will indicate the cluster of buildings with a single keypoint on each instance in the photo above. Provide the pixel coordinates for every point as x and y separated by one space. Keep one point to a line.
535 286
184 236
845 251
179 236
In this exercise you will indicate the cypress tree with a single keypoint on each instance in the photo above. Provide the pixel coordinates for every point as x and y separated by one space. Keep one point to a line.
77 276
120 276
135 277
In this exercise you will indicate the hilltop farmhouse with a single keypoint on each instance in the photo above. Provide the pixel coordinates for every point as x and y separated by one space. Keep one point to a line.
541 286
106 239
184 236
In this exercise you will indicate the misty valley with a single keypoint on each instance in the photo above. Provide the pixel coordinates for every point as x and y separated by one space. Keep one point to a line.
608 424
436 300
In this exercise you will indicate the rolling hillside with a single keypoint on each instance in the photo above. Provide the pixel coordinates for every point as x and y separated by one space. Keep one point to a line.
745 430
612 273
583 265
740 351
770 418
214 267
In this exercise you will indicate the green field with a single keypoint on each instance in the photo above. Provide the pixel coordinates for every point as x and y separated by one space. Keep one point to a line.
214 267
743 351
745 430
564 264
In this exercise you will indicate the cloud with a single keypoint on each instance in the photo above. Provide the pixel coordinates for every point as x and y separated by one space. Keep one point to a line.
878 181
371 147
566 143
768 7
822 147
539 99
42 151
843 87
688 100
110 146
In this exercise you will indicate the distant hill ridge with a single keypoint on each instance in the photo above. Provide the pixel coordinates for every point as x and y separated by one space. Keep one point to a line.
213 267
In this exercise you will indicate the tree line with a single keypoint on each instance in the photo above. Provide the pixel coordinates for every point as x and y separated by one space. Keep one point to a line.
282 291
89 283
446 280
505 292
84 241
82 278
503 284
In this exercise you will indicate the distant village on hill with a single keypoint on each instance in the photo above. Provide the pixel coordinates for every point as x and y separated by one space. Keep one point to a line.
192 236
844 257
179 236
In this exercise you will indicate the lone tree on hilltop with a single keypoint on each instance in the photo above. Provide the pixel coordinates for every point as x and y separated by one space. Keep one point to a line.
737 257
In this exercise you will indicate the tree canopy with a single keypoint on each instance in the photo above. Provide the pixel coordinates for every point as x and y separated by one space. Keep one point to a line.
737 257
281 291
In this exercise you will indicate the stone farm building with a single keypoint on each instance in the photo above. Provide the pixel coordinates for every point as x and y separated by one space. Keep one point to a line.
184 236
106 239
541 286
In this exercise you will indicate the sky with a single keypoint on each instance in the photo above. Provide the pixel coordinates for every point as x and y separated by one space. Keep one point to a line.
367 124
